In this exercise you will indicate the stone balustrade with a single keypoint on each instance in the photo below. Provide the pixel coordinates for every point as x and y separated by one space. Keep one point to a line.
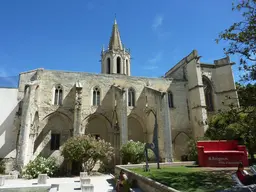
83 175
87 188
26 188
85 181
42 179
2 180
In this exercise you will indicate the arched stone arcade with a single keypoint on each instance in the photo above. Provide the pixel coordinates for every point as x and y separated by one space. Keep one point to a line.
98 126
56 129
136 129
180 144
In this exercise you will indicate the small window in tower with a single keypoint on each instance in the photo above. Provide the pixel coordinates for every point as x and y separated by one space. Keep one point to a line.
108 66
55 141
96 96
118 65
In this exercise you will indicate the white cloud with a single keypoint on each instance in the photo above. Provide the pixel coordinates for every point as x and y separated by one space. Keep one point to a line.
157 27
152 63
157 57
157 22
150 67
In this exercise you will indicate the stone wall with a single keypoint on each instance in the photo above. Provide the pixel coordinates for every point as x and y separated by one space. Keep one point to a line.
221 77
8 131
48 80
187 118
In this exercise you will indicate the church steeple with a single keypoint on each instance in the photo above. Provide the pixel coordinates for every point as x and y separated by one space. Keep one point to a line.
115 42
116 59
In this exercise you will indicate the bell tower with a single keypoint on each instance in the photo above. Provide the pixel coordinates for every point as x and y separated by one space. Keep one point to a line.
116 59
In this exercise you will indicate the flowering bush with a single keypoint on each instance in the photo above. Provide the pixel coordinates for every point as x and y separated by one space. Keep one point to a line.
107 166
133 152
2 166
87 150
40 165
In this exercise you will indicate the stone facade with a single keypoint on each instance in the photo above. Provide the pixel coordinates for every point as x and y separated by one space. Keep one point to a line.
8 126
55 105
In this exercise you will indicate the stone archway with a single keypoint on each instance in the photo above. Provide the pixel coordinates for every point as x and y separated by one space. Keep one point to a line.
98 126
57 127
135 130
180 143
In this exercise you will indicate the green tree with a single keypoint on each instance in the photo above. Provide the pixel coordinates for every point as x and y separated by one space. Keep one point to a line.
234 124
246 94
237 123
242 38
133 152
87 150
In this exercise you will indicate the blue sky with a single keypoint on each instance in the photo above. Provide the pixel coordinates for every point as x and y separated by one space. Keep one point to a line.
68 35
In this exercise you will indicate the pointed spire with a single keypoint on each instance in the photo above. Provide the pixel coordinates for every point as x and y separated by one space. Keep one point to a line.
115 23
115 40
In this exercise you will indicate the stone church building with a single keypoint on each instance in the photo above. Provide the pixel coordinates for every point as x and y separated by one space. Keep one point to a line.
56 105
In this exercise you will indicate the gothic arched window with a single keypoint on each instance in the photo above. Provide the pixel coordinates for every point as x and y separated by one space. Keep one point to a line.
118 65
58 95
131 97
208 94
96 96
170 99
108 65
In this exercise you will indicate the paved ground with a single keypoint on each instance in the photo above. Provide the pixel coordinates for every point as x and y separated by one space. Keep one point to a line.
100 183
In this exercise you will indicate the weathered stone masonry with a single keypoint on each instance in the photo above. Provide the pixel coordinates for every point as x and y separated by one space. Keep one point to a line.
57 104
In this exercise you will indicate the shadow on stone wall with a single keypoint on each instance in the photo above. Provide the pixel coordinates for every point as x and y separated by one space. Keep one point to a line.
8 128
180 136
105 110
61 116
137 119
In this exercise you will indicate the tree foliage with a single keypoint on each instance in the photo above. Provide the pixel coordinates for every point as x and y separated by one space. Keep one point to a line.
192 154
224 126
133 152
237 123
242 38
38 166
87 150
246 94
